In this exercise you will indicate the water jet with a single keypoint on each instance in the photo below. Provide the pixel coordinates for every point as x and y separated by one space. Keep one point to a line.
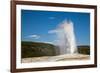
66 37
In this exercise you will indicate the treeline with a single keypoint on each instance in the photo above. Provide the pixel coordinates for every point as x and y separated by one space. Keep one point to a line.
37 49
84 49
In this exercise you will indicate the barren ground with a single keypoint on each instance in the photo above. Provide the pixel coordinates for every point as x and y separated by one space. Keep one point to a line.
65 57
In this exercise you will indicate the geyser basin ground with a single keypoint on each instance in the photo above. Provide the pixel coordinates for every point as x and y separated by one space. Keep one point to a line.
65 57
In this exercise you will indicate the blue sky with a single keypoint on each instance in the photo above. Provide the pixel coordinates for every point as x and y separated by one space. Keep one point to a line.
35 25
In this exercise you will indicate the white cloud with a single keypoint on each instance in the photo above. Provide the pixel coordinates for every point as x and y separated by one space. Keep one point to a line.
48 42
34 36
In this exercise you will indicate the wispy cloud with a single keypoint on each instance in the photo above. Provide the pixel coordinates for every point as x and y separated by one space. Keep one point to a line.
34 36
48 42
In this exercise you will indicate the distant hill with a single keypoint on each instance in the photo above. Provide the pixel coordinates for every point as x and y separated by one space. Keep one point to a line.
37 49
84 49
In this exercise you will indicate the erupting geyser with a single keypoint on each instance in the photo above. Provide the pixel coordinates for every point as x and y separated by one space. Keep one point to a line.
66 37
